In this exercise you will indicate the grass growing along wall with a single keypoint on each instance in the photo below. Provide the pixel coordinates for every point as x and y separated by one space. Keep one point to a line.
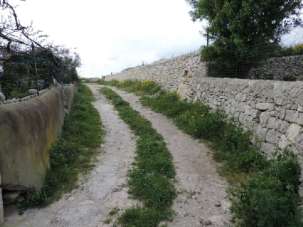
73 153
264 192
151 178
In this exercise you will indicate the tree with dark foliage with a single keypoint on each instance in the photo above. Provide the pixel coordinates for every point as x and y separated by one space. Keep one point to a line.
27 60
13 34
22 71
244 32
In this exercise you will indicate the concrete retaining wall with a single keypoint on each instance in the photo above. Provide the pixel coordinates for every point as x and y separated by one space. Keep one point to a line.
27 131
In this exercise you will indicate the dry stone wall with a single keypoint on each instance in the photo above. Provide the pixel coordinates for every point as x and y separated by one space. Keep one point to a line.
272 110
27 130
167 73
283 68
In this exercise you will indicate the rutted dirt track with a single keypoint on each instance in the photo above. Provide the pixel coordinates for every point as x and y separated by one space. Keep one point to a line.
202 198
98 193
201 201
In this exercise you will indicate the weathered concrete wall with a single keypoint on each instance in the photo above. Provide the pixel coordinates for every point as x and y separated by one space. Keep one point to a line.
69 92
272 110
283 68
27 130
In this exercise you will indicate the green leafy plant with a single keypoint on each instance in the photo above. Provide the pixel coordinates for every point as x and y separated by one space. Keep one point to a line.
270 197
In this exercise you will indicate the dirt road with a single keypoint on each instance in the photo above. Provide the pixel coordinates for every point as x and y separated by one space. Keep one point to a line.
104 189
202 198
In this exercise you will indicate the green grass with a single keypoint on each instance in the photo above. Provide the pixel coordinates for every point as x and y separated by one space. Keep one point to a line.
264 192
140 88
73 153
270 198
151 178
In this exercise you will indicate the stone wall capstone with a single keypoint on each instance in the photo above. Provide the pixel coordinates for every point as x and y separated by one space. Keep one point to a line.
272 110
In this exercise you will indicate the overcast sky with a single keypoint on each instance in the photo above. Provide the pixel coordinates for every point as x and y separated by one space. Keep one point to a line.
111 35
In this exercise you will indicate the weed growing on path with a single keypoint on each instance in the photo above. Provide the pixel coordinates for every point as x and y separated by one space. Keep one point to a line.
264 192
151 179
73 153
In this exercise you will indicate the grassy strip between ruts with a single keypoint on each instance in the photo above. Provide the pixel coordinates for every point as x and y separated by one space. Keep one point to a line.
151 178
264 191
72 153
